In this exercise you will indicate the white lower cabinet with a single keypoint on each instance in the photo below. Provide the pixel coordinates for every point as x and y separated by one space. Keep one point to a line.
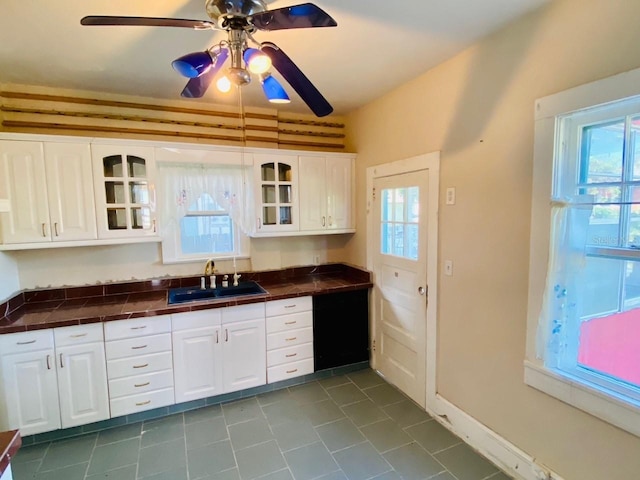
218 351
139 364
48 385
289 338
197 354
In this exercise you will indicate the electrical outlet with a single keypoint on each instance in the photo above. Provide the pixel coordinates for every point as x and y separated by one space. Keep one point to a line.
451 196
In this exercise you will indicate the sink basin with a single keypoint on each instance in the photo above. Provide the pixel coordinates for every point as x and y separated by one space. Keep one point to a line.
192 294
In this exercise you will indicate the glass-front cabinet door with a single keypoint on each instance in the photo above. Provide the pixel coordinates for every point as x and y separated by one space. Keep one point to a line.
125 190
276 195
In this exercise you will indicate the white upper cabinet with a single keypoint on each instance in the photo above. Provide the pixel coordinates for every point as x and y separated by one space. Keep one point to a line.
125 190
326 193
49 190
276 178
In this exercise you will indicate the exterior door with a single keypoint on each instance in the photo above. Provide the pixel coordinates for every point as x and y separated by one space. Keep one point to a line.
400 223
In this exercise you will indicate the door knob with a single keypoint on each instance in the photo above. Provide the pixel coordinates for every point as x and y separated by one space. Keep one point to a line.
422 290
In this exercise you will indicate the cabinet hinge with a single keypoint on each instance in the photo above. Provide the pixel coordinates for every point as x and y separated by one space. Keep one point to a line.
373 193
373 346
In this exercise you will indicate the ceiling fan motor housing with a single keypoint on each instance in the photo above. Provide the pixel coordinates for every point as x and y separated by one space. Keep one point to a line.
217 9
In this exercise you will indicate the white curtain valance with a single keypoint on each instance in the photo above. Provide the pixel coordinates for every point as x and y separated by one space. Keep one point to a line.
182 184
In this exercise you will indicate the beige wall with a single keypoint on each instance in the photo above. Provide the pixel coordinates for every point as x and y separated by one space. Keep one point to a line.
9 280
91 265
477 109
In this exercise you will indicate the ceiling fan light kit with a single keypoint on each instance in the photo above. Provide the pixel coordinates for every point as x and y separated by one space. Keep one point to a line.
240 19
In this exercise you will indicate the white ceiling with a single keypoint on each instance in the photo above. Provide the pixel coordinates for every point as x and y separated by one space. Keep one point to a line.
378 45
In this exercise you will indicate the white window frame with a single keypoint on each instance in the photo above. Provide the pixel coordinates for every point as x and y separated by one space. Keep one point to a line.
610 406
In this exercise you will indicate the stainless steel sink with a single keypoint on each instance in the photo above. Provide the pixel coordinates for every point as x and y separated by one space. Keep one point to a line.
192 294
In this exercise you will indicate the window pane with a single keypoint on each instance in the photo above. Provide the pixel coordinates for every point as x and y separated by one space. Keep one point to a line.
413 204
140 218
611 345
398 239
268 194
604 226
139 192
399 207
284 172
114 192
117 218
634 220
599 286
387 206
412 241
285 193
112 166
632 286
602 153
206 234
285 216
268 172
137 166
386 240
635 146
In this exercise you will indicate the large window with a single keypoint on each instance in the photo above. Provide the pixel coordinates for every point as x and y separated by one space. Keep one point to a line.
583 341
206 229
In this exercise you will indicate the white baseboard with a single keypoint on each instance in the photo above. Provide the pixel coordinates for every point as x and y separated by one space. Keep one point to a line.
495 448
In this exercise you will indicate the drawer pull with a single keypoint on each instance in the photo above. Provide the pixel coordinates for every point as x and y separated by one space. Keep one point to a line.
61 364
290 306
141 366
139 328
48 362
80 335
291 339
290 323
291 355
138 385
26 343
139 404
139 348
292 371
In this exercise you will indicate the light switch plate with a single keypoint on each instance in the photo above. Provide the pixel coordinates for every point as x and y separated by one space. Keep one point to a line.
451 196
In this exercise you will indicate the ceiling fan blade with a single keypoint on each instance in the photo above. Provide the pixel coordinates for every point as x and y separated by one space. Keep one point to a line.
196 87
298 81
147 22
305 15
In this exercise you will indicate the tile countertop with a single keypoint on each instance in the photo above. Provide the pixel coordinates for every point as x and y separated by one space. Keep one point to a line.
38 309
10 442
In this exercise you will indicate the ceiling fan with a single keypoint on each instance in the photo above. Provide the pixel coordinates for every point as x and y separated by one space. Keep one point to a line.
240 19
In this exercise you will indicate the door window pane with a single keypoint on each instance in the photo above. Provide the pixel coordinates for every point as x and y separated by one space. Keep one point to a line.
399 228
112 166
137 166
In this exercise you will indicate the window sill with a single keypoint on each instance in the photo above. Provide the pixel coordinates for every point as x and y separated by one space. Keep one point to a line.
611 408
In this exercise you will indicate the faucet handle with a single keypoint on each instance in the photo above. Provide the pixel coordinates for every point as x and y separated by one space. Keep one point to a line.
236 277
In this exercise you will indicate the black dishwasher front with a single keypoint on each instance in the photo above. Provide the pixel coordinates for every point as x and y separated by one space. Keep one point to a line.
340 328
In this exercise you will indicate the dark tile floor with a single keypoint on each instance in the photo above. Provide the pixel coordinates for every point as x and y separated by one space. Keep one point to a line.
351 427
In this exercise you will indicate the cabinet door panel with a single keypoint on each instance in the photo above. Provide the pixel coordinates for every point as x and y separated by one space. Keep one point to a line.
244 351
70 191
339 193
31 392
197 358
82 384
313 193
22 179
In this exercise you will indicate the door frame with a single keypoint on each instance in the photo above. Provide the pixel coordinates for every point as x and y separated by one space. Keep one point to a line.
430 162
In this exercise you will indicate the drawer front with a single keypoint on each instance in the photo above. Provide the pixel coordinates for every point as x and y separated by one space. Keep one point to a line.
137 327
289 338
289 322
198 319
126 367
289 305
140 403
240 313
122 387
26 341
289 370
78 334
138 346
289 354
